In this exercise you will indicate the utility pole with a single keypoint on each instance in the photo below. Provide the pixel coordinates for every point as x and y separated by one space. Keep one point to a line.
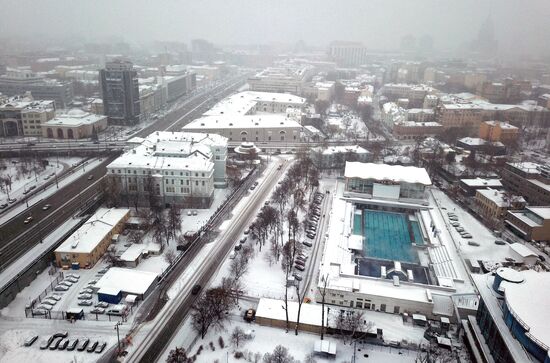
118 335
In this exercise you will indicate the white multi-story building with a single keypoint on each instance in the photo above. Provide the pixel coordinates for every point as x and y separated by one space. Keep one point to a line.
282 80
22 116
178 167
348 53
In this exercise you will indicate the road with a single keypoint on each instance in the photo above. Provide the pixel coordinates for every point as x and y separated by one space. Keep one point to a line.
17 237
174 313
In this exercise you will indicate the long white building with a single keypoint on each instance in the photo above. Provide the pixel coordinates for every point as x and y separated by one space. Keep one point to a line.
179 167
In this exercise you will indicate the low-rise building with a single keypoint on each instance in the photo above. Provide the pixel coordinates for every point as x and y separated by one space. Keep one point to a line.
530 180
498 131
23 116
335 157
411 130
75 124
469 187
493 204
89 242
121 282
531 223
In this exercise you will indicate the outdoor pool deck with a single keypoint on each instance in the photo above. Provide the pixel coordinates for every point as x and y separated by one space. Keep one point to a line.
388 235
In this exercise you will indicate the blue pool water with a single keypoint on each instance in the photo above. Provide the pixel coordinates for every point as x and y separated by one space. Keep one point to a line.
387 236
417 233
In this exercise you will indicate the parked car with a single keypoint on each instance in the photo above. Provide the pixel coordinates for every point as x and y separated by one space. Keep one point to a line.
455 224
249 315
61 288
61 334
459 229
100 347
71 279
194 212
53 297
500 242
49 302
63 345
97 311
195 290
299 263
92 347
541 257
74 276
92 282
87 291
246 231
55 343
243 240
102 304
85 302
84 296
66 283
310 235
297 276
103 271
72 345
473 243
189 213
83 345
45 307
307 243
30 340
466 235
299 268
46 343
38 311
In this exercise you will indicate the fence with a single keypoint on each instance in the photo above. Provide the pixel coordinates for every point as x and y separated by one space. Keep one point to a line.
58 277
62 315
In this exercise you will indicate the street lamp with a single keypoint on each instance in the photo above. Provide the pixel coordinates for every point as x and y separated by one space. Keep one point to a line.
118 335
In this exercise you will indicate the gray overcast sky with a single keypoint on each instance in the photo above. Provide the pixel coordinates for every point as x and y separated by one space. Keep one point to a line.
519 24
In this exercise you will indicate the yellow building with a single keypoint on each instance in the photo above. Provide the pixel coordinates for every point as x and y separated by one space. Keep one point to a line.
498 131
493 204
88 243
76 124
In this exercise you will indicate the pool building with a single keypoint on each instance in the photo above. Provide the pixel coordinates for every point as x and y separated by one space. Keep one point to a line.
383 249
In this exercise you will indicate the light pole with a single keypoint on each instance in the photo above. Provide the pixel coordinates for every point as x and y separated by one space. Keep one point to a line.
118 335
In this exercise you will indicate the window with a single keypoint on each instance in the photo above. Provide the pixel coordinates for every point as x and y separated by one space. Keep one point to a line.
396 309
203 175
196 183
383 307
203 183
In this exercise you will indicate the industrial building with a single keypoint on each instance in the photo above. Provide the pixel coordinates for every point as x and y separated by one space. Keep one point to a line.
118 283
87 244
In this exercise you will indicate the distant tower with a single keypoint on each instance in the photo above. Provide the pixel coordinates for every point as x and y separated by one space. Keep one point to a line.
120 92
486 42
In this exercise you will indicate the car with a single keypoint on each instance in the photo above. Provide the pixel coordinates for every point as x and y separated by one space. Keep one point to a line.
61 288
194 212
30 340
61 334
243 240
85 302
195 290
92 282
455 224
74 276
454 219
100 347
45 307
299 268
72 345
246 231
310 235
55 343
66 283
103 271
307 243
90 177
466 235
297 276
71 279
102 304
63 345
96 142
46 206
92 347
4 205
542 258
500 242
49 302
301 259
39 312
459 229
189 213
46 343
28 220
97 311
12 200
238 247
473 243
249 315
299 263
84 296
83 345
53 297
253 187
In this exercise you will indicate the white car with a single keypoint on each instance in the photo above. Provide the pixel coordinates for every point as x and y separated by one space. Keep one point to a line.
71 279
45 307
85 302
53 297
85 296
74 276
61 288
49 302
66 283
87 291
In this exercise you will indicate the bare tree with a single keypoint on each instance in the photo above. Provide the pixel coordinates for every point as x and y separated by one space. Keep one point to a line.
170 256
349 323
300 302
310 358
174 220
210 310
238 336
177 355
135 236
239 266
323 292
280 355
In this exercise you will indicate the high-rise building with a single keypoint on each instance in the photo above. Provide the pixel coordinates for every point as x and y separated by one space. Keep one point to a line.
120 92
348 53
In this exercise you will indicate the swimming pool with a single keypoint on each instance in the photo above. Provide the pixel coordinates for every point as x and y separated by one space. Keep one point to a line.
418 239
387 236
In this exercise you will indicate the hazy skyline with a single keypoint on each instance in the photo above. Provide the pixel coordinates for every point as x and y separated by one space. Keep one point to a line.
380 24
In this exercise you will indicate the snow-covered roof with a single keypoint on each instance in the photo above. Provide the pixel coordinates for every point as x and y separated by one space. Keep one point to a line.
90 234
529 302
127 280
345 149
480 182
310 314
498 197
522 250
543 212
132 253
242 103
384 172
502 125
258 121
75 118
527 167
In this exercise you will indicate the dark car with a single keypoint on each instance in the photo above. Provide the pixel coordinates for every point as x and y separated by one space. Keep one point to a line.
249 315
542 258
30 341
100 347
90 177
299 268
83 345
63 345
46 343
72 345
61 334
307 243
92 347
195 290
299 263
55 343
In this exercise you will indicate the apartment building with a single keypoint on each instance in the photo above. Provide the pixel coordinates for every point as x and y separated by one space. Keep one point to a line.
414 93
531 223
498 131
493 204
530 180
411 130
